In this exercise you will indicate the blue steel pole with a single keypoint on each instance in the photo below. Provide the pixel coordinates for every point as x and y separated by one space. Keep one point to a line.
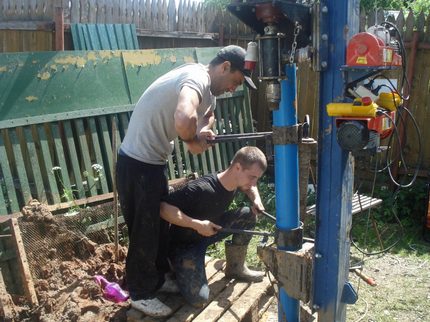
332 290
287 181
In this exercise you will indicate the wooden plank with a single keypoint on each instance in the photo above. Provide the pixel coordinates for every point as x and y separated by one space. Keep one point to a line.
47 161
8 177
61 156
220 131
92 11
148 15
36 168
24 186
410 22
106 146
246 307
226 127
135 13
101 12
23 264
83 11
109 10
6 303
222 302
98 154
171 167
187 312
186 155
171 16
74 162
178 155
232 106
123 122
85 155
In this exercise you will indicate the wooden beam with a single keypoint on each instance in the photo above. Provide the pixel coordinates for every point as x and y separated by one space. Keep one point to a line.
27 25
6 303
26 278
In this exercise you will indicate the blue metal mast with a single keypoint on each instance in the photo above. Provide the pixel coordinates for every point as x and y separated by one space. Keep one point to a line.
339 21
287 181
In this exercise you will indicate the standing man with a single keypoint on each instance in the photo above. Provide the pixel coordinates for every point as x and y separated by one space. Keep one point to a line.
198 211
179 103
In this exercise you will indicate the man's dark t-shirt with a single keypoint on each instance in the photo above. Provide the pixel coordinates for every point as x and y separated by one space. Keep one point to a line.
205 199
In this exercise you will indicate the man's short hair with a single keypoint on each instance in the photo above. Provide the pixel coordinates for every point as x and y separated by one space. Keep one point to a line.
249 155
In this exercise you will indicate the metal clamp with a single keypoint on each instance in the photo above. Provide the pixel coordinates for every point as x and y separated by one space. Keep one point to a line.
291 239
287 134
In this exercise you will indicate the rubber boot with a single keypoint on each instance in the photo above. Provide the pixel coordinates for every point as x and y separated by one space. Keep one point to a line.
235 267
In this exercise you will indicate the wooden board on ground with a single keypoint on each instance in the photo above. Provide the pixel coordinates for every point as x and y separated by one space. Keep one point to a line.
229 299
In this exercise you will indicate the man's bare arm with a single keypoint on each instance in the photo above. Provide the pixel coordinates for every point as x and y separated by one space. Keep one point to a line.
176 217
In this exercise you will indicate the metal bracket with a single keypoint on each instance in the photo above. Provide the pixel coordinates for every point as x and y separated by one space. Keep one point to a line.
287 134
293 270
292 238
320 36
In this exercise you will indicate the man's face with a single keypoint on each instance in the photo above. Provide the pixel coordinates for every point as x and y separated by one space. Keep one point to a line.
248 178
226 81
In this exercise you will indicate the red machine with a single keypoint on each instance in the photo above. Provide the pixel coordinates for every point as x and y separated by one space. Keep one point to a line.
373 48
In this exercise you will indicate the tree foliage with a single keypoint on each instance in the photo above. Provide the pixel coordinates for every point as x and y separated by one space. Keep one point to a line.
415 5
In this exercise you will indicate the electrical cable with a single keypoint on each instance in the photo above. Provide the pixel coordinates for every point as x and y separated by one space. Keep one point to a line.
386 249
403 55
420 155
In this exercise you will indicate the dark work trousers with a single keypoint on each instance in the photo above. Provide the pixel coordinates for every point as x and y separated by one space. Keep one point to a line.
140 187
188 260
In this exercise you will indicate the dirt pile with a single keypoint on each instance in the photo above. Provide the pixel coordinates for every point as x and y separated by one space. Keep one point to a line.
63 263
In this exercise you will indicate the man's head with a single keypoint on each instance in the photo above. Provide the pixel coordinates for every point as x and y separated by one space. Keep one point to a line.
228 70
249 164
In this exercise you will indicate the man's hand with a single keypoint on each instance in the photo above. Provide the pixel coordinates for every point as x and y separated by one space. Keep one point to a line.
206 228
199 143
257 207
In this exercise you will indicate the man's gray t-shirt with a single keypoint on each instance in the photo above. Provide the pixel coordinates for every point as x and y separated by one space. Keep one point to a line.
152 125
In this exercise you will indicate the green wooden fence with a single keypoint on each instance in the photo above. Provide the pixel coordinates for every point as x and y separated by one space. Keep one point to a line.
56 116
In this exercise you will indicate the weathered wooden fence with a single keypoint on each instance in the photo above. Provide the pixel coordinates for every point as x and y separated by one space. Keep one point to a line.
26 25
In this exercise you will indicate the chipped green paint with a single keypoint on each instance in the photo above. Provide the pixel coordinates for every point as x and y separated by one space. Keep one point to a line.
69 82
141 58
44 76
189 59
31 98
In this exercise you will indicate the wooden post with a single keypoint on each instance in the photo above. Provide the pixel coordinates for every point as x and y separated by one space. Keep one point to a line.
27 280
59 28
115 194
6 303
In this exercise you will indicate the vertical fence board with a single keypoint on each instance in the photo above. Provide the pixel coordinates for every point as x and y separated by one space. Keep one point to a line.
85 155
24 186
7 176
36 168
74 162
98 154
426 37
47 160
109 11
61 157
107 147
410 21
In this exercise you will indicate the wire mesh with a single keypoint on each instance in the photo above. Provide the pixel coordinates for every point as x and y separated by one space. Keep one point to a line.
67 237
